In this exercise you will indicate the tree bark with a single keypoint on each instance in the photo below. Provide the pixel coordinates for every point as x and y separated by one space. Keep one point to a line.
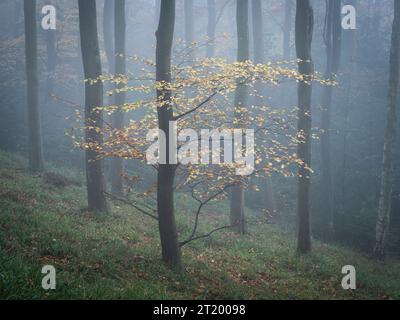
211 28
385 199
237 214
303 34
332 37
171 253
93 99
36 161
117 165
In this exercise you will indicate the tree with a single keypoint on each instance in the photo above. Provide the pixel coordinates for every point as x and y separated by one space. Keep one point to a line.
51 51
349 57
332 38
93 99
259 58
303 34
171 252
36 161
189 26
287 29
116 169
237 213
211 26
385 198
108 28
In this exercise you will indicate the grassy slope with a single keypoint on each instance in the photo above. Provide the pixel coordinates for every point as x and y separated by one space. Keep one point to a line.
118 256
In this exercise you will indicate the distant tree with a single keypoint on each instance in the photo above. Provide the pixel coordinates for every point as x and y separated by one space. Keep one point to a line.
120 70
171 252
17 18
108 33
332 39
383 223
211 27
237 213
259 58
287 29
189 26
52 56
36 161
303 35
349 49
93 99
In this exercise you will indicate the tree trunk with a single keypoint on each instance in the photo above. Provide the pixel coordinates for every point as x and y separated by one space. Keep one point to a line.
108 32
116 168
349 57
332 36
287 29
241 101
93 99
171 253
211 27
189 27
259 57
51 50
303 34
17 18
382 225
36 161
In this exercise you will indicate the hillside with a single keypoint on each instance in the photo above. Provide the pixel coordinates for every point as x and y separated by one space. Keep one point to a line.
43 222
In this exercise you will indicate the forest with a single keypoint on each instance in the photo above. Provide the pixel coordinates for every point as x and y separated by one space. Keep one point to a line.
199 150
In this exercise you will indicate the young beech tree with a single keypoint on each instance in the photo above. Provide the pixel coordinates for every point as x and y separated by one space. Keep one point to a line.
385 199
93 98
194 118
36 161
303 35
166 172
332 38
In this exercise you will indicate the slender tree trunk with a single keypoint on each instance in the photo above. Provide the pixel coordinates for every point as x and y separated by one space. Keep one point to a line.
108 33
259 57
166 172
258 34
241 101
189 27
350 50
93 99
385 199
51 49
303 35
287 29
116 169
332 36
211 28
17 18
36 161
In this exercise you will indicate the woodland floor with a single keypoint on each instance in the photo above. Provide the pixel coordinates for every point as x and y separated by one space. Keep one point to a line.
42 222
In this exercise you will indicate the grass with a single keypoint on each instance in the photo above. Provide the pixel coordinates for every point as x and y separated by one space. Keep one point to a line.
118 256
